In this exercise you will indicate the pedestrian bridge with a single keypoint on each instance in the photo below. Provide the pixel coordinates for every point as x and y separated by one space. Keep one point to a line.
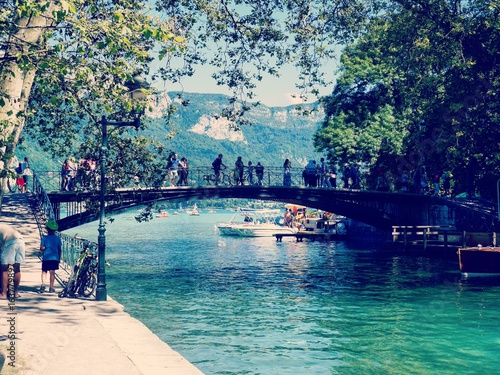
381 210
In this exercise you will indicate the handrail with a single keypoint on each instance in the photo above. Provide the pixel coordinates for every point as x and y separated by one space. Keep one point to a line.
43 202
71 249
43 211
198 176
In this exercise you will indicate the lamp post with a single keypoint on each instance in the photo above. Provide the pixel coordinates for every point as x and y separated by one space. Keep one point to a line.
135 94
498 198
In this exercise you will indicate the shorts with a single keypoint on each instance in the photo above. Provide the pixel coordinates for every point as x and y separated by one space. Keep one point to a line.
50 265
173 173
17 267
13 252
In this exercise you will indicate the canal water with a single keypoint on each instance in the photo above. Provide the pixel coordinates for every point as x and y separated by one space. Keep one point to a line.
255 306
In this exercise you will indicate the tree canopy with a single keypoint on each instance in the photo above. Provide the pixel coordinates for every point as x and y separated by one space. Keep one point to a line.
424 79
65 63
417 86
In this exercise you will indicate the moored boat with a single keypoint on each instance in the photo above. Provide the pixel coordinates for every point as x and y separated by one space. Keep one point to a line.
262 230
479 260
163 214
254 223
317 221
194 211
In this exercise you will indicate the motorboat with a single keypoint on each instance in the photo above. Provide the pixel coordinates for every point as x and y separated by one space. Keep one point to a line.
163 214
479 260
317 221
326 224
255 223
228 228
263 230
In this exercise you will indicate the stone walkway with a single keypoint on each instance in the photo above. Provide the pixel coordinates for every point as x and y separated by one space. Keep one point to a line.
72 336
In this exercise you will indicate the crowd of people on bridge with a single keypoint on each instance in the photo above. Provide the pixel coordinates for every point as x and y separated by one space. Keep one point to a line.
78 176
241 174
353 176
22 172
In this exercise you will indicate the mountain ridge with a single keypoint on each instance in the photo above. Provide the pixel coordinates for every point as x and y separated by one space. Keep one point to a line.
275 133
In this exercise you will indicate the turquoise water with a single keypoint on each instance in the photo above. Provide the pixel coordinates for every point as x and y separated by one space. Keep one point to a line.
255 306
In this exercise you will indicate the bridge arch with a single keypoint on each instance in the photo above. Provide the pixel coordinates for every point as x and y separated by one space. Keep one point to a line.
378 209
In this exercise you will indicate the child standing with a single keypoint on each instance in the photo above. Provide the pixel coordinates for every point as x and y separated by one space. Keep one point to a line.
51 248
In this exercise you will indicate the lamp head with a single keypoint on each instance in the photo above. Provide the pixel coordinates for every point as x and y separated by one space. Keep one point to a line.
136 88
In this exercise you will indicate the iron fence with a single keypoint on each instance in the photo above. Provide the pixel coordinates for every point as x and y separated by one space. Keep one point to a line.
198 176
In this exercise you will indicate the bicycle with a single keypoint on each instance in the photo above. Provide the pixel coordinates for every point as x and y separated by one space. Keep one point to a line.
245 179
12 184
83 280
211 179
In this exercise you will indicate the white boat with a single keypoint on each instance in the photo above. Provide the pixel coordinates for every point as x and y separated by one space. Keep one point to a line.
194 211
255 223
263 230
163 214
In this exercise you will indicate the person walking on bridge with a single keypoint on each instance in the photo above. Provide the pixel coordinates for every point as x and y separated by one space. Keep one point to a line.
287 177
173 167
238 171
12 249
216 165
259 171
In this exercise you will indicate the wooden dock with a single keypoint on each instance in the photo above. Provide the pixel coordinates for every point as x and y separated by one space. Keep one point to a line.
425 236
320 236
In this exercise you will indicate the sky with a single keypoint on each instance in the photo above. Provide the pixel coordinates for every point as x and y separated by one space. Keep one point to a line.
271 91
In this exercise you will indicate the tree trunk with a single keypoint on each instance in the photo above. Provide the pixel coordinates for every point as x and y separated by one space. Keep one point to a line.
16 81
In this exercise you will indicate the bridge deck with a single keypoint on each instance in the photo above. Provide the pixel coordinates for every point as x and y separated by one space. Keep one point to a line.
382 210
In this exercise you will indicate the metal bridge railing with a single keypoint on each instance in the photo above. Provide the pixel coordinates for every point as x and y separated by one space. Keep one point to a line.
197 176
71 249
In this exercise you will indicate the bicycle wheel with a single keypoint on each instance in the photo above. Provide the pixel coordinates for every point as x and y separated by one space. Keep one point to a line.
245 179
12 184
210 179
90 284
70 289
226 179
80 283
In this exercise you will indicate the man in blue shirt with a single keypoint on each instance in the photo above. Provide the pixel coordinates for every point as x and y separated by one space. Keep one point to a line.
51 248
